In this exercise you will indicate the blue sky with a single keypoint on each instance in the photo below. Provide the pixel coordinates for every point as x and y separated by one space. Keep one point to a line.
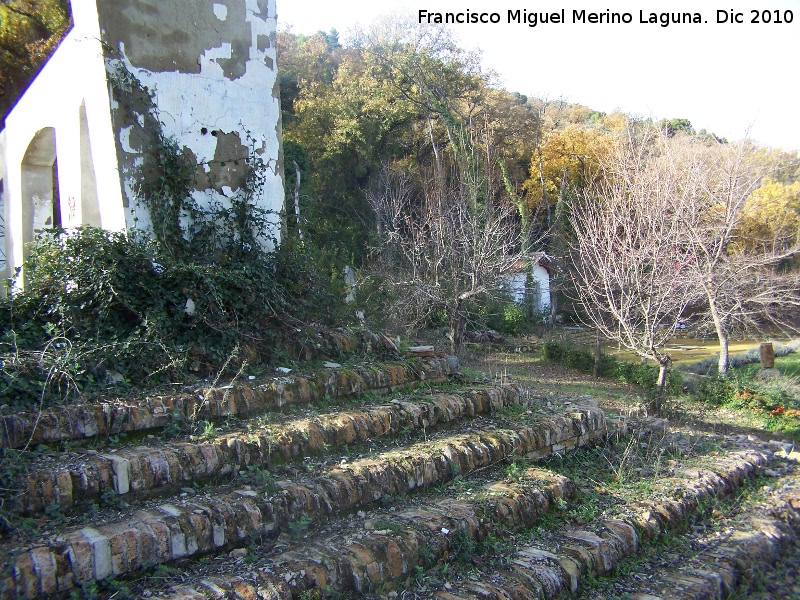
725 77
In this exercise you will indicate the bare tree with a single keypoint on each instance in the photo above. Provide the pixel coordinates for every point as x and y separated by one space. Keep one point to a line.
628 267
437 249
739 279
664 231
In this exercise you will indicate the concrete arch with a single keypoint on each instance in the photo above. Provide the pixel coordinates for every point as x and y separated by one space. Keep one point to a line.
41 206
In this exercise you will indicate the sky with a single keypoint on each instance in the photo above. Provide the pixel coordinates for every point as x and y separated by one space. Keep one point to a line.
726 77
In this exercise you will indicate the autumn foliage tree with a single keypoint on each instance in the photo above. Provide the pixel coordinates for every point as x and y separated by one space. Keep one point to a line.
739 248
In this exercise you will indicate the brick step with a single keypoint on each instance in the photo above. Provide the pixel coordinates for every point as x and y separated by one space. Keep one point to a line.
221 518
75 478
554 569
389 547
749 545
384 547
101 419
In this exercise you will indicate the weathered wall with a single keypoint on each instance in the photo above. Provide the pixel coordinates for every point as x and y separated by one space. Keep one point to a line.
63 122
541 278
210 67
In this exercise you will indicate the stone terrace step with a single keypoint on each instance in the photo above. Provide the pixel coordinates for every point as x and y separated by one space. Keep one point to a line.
385 547
149 469
201 524
241 400
755 544
391 545
548 572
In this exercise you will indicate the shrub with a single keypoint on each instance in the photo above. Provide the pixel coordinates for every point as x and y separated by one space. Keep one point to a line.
97 301
640 374
762 396
506 317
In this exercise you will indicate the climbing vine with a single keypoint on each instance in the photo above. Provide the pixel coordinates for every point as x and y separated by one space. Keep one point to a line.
204 296
168 176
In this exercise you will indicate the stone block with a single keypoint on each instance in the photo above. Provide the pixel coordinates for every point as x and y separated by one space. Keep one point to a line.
625 533
44 566
24 573
121 469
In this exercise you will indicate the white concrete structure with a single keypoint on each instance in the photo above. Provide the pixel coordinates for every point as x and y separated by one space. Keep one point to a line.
539 267
75 147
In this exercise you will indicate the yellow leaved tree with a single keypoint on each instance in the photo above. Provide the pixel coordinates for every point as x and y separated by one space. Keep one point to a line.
568 158
771 216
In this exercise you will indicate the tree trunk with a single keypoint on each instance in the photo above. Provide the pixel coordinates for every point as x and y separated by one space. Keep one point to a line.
597 354
722 334
723 352
437 158
297 199
456 329
662 380
545 198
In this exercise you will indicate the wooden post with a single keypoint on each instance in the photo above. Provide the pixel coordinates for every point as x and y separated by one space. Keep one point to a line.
767 355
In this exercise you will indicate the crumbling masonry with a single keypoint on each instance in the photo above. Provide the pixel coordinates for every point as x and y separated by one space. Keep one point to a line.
75 147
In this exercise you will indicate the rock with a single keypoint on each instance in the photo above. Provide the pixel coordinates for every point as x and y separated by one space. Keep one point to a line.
114 377
389 343
238 553
421 351
453 365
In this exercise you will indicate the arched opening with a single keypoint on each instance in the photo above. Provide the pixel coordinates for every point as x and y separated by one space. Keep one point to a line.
90 203
2 232
41 206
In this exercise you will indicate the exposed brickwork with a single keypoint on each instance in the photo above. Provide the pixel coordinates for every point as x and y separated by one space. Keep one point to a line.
240 400
548 572
392 544
200 524
140 470
755 544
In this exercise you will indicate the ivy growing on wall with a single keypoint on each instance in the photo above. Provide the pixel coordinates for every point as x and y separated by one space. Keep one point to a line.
169 174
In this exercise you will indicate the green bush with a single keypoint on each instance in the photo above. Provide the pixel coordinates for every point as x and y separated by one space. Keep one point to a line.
761 396
717 391
97 301
506 317
640 374
568 356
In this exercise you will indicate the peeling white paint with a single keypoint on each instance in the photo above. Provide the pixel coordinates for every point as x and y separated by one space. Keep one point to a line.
210 98
220 11
125 139
188 103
